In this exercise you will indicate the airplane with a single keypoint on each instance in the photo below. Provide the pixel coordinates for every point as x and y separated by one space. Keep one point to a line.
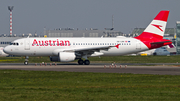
108 28
165 50
2 54
171 48
68 49
157 51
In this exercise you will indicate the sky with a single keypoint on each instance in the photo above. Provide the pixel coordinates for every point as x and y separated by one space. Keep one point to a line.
32 16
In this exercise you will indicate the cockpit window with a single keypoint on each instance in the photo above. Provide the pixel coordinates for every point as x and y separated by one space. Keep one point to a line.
12 43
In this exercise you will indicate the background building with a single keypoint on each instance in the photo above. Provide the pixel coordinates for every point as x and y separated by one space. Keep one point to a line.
169 32
4 41
70 32
178 37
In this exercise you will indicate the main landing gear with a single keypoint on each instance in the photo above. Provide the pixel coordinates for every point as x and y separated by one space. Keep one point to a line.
85 62
26 60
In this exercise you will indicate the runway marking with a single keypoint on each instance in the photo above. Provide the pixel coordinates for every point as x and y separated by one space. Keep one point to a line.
160 70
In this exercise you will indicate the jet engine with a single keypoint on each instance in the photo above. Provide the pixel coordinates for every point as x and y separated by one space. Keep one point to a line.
64 57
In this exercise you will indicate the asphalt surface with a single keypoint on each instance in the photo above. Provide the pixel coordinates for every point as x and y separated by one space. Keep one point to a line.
159 69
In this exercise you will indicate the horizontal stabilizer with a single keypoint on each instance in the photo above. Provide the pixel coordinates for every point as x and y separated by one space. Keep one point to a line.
160 42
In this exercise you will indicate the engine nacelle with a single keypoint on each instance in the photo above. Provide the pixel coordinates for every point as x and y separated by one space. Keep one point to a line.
64 57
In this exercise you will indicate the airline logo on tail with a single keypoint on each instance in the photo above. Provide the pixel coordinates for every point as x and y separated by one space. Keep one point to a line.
158 26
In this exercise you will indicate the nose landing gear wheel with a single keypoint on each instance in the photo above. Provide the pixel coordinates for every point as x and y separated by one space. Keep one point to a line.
26 60
86 62
26 63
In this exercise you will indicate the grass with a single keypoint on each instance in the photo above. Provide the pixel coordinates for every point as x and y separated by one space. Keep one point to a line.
109 59
59 86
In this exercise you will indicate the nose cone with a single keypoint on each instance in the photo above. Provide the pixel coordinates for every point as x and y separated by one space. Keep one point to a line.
7 50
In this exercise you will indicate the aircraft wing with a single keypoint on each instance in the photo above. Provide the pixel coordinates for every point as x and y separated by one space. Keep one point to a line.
89 50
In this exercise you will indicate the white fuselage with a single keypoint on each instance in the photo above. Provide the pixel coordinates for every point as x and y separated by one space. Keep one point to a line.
51 46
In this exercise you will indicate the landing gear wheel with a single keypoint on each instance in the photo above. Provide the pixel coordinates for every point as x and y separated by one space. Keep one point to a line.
154 54
26 60
86 62
80 62
26 63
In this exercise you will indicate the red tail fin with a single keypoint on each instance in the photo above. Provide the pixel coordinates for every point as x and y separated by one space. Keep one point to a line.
157 27
152 36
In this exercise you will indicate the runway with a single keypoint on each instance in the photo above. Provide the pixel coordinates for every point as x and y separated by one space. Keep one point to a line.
158 70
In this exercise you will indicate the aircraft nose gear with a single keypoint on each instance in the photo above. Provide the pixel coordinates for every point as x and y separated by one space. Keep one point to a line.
26 60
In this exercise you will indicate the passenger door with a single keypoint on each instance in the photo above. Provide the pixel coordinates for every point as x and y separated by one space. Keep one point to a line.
27 44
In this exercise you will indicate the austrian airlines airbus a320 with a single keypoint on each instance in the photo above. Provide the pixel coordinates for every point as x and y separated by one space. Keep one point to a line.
69 49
